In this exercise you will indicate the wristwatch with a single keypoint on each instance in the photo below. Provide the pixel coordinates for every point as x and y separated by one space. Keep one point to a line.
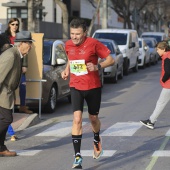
99 66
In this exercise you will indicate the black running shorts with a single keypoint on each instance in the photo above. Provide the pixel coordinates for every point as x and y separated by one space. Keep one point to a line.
92 98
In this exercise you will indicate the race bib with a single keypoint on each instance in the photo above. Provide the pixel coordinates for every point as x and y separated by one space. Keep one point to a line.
78 67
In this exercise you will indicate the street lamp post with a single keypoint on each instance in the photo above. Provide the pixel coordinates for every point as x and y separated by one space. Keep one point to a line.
44 14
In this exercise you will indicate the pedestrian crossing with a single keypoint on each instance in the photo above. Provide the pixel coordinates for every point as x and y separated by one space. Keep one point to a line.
58 130
121 129
27 152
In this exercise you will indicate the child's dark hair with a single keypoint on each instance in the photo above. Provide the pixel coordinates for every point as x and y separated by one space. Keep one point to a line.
78 23
164 45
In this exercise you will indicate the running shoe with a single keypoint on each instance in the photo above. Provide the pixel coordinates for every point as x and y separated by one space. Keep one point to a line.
98 151
77 162
147 123
14 138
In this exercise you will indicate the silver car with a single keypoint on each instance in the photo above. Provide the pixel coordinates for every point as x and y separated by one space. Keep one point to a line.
144 57
116 71
54 62
151 42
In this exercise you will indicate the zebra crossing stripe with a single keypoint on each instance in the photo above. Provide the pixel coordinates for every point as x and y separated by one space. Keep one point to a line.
27 152
122 129
167 133
162 153
106 153
58 130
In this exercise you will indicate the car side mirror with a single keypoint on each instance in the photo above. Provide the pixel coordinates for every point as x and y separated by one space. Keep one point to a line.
60 62
132 44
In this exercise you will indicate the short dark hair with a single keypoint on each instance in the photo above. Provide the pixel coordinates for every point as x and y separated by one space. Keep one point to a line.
78 23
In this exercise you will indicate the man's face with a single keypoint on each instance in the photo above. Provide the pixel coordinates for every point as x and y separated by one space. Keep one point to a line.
25 47
77 35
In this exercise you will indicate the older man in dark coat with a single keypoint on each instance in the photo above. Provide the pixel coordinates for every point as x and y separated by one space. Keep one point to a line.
10 71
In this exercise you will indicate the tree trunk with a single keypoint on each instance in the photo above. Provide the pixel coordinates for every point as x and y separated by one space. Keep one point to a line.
64 17
94 17
30 16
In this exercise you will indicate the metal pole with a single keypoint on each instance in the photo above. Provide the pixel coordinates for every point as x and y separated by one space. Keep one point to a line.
40 91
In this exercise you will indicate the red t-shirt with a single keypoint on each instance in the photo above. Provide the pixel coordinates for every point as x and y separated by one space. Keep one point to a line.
89 51
12 39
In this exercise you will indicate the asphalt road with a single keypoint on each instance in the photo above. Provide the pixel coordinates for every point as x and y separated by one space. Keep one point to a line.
127 145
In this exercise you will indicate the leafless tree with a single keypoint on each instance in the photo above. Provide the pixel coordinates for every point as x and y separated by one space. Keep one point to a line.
94 15
33 7
63 7
125 9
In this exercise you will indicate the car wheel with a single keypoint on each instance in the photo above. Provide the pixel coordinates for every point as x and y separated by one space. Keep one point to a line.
115 78
149 63
126 69
69 98
52 100
102 80
144 64
135 69
121 74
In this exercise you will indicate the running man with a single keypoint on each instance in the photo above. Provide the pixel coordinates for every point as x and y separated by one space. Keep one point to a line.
85 83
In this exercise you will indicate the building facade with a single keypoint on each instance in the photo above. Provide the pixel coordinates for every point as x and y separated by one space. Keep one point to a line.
49 11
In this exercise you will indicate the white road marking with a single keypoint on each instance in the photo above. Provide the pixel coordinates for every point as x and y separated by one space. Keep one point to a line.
59 130
122 129
27 152
168 133
106 153
162 153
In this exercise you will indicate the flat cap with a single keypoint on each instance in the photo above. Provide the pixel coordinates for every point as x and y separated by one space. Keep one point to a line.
23 36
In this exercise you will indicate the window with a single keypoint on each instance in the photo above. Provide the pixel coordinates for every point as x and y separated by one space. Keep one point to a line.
60 52
47 52
119 38
12 12
24 13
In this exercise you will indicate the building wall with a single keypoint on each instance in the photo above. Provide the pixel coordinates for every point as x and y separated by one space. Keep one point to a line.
49 8
3 10
84 6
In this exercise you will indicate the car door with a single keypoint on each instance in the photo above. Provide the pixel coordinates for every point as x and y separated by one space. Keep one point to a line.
119 57
59 54
130 51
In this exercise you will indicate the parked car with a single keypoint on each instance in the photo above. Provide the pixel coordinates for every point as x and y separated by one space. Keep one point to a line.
116 71
144 57
54 62
127 40
151 42
159 36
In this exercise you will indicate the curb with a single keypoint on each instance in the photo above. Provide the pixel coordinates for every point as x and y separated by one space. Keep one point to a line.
31 120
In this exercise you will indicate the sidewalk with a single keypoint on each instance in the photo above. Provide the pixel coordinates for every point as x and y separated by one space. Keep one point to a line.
22 121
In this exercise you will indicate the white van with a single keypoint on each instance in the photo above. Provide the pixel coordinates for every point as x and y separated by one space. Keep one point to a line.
127 40
159 36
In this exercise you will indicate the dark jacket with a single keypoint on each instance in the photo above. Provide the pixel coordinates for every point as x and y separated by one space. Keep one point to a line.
4 39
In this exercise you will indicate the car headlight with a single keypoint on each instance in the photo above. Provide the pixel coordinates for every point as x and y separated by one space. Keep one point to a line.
124 51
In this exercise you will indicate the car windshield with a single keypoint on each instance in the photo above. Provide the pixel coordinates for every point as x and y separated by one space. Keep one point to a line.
47 50
119 38
109 46
149 43
157 37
